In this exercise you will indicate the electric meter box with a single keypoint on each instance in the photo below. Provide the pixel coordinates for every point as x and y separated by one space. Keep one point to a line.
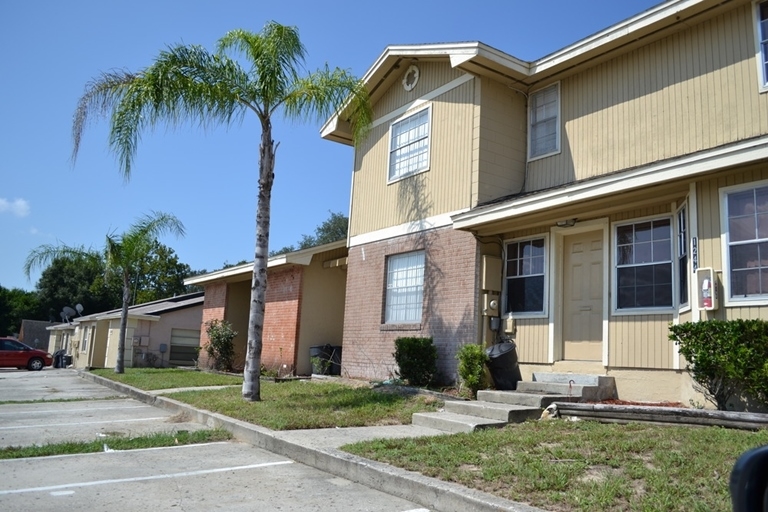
707 289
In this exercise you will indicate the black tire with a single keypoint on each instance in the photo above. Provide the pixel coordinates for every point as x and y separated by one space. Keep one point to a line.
35 364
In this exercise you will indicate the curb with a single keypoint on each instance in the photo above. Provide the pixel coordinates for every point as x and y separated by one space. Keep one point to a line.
435 494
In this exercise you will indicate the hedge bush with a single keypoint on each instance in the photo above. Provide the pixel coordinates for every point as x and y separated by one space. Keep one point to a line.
728 359
221 347
472 359
416 360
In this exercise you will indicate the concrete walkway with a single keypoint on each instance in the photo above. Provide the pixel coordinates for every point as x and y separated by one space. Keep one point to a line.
319 448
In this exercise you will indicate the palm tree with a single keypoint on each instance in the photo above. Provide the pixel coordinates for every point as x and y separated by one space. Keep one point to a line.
124 254
188 83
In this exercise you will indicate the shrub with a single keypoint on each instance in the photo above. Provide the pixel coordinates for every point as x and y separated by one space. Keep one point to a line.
416 359
726 358
472 359
221 348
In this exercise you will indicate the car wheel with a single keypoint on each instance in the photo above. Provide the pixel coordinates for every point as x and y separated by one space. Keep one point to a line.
35 364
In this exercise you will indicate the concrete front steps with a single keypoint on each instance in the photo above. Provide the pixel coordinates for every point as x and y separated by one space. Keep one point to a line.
494 409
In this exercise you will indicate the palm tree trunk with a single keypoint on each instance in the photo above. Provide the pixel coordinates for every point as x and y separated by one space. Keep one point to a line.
120 363
252 372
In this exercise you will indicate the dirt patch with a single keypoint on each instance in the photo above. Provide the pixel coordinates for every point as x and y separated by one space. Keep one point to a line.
181 417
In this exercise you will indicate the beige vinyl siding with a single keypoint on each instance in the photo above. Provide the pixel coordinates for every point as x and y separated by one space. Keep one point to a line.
693 90
532 340
640 341
710 249
445 187
501 142
432 74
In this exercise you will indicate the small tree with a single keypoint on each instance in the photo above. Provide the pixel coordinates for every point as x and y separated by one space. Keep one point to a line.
472 359
726 358
416 359
220 348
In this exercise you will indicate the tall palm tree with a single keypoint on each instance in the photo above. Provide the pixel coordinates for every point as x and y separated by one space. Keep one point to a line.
123 255
189 83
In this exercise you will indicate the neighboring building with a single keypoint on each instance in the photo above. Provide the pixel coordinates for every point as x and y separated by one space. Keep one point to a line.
570 200
304 305
34 334
164 332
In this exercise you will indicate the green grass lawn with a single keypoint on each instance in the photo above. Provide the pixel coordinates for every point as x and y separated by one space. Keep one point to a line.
584 466
166 378
306 404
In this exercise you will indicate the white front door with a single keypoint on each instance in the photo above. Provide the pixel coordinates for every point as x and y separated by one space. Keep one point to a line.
583 296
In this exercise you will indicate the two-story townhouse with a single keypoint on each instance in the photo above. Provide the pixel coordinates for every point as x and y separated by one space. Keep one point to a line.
569 201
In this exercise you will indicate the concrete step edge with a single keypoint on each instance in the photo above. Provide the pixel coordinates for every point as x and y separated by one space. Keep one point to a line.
452 422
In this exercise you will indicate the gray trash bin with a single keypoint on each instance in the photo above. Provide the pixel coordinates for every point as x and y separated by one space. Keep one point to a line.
503 365
335 351
320 357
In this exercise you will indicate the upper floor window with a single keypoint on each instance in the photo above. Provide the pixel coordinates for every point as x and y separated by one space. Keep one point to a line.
525 272
405 288
761 34
746 221
644 265
544 136
409 145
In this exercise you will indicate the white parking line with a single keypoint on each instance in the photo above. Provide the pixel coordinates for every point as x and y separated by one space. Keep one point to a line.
142 478
67 411
82 423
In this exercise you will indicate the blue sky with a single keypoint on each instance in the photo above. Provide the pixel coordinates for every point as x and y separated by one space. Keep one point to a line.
208 178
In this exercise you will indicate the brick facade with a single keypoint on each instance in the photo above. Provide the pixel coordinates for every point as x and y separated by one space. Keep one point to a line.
450 312
214 308
281 318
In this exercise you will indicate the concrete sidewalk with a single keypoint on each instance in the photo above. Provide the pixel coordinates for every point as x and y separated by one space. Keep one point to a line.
319 448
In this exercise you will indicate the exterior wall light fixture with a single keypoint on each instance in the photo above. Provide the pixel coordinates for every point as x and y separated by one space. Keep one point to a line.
567 223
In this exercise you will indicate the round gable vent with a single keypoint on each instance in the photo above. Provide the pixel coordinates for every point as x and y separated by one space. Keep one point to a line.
411 78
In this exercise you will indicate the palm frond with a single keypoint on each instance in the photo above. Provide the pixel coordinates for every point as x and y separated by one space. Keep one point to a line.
327 91
45 254
276 55
185 83
100 97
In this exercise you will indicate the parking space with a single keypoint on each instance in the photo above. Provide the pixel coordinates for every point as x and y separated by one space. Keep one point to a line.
48 384
53 422
224 476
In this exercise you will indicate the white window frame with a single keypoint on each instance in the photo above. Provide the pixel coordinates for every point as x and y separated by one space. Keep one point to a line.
728 301
392 150
683 243
659 310
558 119
414 309
84 339
544 313
761 39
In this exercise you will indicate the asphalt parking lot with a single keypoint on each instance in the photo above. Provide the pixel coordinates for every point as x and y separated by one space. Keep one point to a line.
225 476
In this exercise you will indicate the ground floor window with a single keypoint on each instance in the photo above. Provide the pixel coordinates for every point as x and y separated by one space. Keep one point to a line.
184 347
682 254
405 288
525 273
644 265
746 225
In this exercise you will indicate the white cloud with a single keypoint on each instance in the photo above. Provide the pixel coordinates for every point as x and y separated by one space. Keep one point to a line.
17 207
